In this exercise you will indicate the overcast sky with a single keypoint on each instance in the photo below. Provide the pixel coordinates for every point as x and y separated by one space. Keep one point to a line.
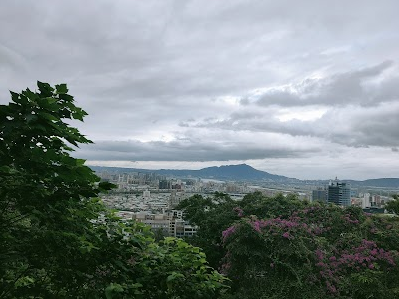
305 89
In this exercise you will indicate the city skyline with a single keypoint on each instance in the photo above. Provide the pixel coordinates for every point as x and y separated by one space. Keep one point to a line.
305 90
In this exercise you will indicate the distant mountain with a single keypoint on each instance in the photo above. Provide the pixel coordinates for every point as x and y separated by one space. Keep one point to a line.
244 172
381 183
241 172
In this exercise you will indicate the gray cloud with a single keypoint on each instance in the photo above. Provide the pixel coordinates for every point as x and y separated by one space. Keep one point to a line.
186 150
341 89
170 75
351 126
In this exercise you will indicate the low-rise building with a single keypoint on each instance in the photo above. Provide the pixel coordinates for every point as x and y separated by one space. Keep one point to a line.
170 223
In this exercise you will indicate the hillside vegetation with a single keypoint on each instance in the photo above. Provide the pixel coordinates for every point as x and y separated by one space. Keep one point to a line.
282 247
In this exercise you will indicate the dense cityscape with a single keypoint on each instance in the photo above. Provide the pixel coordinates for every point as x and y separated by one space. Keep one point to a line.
151 198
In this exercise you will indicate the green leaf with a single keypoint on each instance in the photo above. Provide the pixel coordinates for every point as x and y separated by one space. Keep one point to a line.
50 100
80 162
31 118
61 89
45 89
5 169
173 276
112 289
47 116
14 96
30 94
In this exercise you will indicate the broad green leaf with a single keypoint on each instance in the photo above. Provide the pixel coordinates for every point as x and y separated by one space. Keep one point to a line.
61 89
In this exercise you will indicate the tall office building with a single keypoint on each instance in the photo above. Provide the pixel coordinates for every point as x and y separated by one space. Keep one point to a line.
319 195
164 184
339 193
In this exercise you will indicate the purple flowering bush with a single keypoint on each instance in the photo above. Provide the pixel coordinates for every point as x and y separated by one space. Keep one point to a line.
318 251
281 247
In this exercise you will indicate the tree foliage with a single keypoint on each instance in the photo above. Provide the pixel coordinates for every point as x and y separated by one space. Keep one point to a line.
216 213
213 215
282 247
393 205
57 240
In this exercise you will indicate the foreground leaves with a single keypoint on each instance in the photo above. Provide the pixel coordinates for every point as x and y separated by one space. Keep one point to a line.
57 240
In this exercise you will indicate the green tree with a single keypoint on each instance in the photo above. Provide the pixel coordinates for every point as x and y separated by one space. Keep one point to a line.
393 205
47 197
216 213
213 215
57 240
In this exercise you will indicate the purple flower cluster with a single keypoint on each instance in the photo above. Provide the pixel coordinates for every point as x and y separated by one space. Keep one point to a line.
364 256
288 236
294 223
349 219
239 211
228 232
276 222
275 226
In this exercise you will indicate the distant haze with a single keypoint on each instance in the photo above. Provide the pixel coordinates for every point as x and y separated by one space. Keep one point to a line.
305 89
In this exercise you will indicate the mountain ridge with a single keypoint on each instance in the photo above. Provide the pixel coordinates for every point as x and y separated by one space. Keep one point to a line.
229 172
226 172
244 172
